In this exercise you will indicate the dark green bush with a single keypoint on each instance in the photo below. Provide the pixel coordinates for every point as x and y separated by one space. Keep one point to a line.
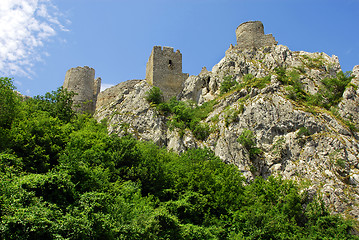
247 140
249 81
188 115
303 131
64 179
154 95
227 84
331 92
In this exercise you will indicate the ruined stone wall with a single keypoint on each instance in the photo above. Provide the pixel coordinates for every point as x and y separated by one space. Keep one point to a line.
164 70
81 80
251 35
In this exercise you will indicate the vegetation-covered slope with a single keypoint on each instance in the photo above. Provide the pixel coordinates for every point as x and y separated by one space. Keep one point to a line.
64 177
298 109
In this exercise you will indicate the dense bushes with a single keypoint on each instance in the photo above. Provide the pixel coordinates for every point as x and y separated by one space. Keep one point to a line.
328 95
248 81
154 95
81 183
187 115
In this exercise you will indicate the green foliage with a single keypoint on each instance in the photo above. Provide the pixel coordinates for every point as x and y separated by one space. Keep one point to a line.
247 140
188 115
38 140
249 81
281 74
313 63
65 177
58 103
231 115
154 95
8 102
227 84
331 92
340 163
303 131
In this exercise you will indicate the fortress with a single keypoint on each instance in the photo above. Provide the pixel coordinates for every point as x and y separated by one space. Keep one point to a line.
81 80
251 35
163 69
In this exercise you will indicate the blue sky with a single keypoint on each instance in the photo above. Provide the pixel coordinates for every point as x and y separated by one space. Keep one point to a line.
41 39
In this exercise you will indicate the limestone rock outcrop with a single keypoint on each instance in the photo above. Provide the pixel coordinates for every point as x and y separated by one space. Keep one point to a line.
305 143
349 106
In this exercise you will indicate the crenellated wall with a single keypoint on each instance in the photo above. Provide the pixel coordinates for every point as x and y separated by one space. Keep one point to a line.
164 70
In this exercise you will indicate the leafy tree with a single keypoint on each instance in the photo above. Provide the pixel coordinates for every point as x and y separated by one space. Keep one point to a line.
65 177
9 100
58 103
38 140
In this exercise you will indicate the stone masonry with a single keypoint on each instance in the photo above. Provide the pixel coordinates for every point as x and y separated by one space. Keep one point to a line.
164 70
81 80
251 35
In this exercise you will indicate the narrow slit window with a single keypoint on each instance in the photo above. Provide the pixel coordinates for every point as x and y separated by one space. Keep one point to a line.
170 66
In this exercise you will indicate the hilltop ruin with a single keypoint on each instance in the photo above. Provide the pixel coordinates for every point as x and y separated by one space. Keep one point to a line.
163 69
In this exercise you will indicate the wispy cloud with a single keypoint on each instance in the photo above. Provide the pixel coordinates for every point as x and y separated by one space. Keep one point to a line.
25 25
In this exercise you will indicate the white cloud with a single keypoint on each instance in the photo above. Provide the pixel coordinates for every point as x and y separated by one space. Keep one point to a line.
25 25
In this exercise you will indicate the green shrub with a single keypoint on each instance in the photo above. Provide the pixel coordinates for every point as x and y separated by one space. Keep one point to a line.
58 103
333 89
201 131
313 63
303 131
154 95
249 81
247 140
227 84
281 74
340 162
188 115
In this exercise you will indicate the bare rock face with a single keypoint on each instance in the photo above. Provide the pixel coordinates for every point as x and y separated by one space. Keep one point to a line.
127 112
260 63
349 106
308 144
108 95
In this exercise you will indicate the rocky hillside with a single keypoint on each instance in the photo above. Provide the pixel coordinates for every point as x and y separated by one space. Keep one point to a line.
269 111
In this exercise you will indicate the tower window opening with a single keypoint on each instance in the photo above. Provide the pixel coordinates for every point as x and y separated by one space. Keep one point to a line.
170 66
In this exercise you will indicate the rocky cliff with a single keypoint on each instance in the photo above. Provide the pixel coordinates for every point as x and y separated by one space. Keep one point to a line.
272 100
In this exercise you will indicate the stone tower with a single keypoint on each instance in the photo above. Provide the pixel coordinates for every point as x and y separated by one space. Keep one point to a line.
81 80
164 70
251 35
